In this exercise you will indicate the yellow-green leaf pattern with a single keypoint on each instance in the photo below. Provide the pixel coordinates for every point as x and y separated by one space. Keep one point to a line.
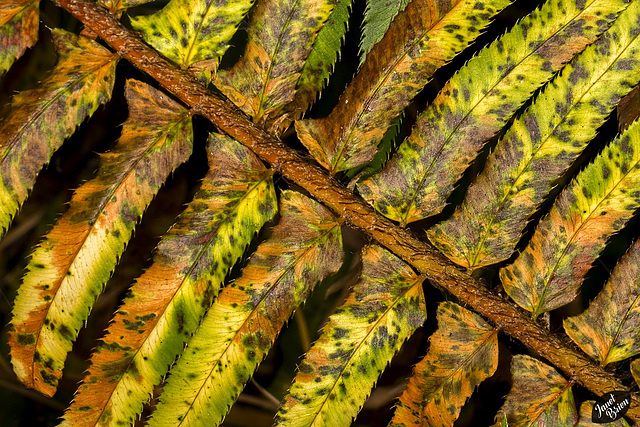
478 101
335 378
422 38
586 410
539 396
193 33
540 146
609 329
18 29
242 324
168 301
41 118
444 380
597 203
281 36
69 268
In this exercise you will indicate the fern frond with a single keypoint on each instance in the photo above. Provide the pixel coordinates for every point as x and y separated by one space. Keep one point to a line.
338 372
444 379
377 18
41 118
321 60
281 36
168 301
423 37
242 324
193 33
69 268
598 203
586 409
538 396
608 330
18 29
540 146
478 101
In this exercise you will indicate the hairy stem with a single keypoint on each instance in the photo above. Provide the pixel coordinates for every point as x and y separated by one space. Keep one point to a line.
434 266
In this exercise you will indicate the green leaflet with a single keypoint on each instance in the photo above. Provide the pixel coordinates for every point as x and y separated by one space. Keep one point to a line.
69 268
538 396
281 36
193 33
41 118
335 378
242 324
168 301
444 379
18 29
422 38
377 17
585 417
478 101
608 330
321 60
540 147
598 203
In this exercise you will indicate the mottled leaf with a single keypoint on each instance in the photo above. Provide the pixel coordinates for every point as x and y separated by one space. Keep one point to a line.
69 268
377 17
281 36
168 301
339 371
421 39
597 203
540 146
41 118
609 329
478 101
18 29
242 324
629 109
463 352
635 370
117 6
539 396
193 33
321 61
585 417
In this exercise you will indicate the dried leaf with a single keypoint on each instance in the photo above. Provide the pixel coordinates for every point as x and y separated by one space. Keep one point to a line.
608 330
117 6
69 268
41 118
539 396
463 352
18 29
597 203
168 301
635 370
339 371
281 36
242 324
478 101
193 33
377 17
629 109
540 146
422 38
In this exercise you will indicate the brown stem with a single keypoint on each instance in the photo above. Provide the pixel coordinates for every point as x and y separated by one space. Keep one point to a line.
433 265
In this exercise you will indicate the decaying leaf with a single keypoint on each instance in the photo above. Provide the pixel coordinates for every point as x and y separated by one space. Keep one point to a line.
18 29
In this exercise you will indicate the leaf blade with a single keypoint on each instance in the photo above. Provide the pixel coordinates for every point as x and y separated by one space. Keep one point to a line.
477 102
168 301
243 322
540 146
444 379
383 310
416 44
71 265
597 203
